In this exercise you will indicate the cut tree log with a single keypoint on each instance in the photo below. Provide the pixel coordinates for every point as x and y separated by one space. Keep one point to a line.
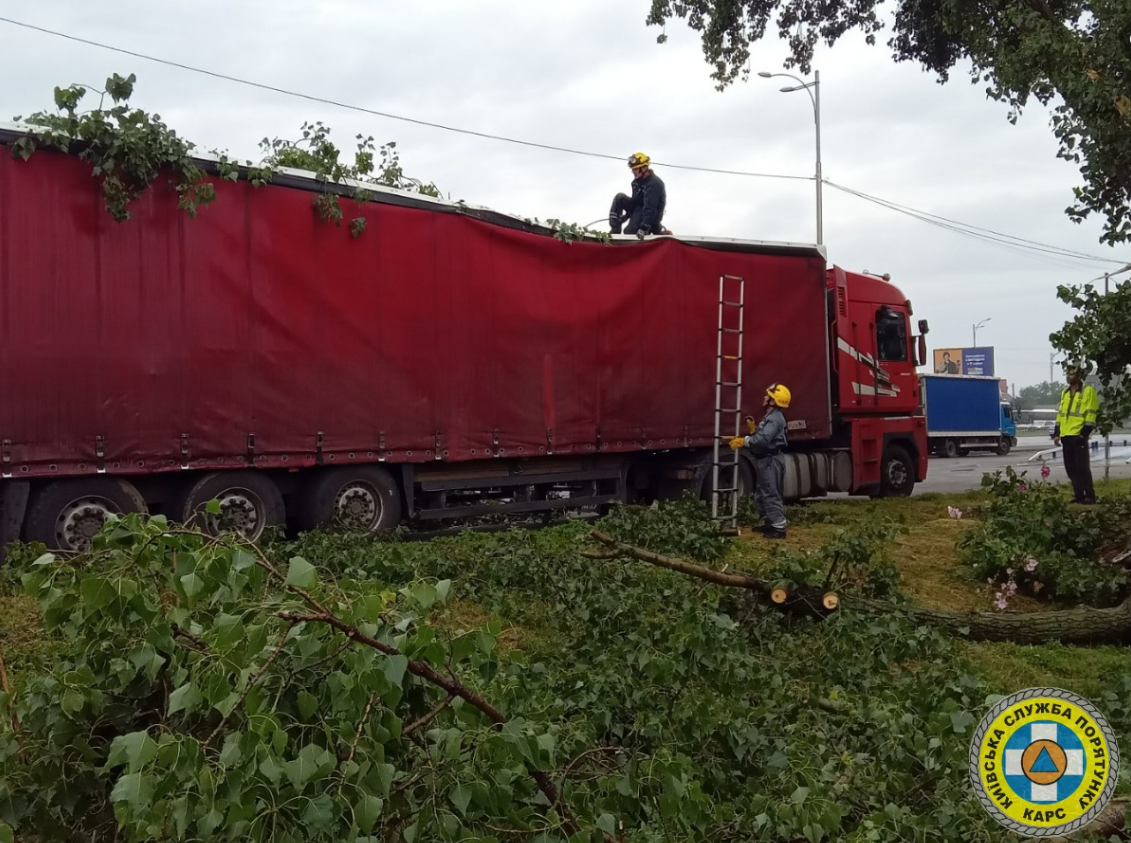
1080 625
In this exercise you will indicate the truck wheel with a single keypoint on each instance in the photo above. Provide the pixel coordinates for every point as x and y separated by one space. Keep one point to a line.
1004 446
250 502
365 498
897 473
66 515
950 448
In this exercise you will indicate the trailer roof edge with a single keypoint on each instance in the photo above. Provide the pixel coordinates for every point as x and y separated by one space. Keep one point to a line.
304 180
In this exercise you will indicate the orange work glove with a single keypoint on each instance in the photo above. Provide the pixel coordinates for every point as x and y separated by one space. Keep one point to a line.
751 425
737 442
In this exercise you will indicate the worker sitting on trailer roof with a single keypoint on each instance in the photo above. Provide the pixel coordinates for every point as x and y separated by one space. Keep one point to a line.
644 210
767 440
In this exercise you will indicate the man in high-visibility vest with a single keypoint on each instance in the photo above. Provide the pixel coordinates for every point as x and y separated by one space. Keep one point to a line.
1075 420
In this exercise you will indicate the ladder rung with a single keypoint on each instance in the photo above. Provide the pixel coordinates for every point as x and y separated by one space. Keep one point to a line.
727 489
730 356
731 330
730 409
734 303
729 383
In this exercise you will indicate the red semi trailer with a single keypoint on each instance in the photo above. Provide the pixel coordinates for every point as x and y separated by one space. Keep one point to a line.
449 362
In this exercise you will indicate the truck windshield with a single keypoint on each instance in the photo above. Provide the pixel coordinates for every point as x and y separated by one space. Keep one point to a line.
891 335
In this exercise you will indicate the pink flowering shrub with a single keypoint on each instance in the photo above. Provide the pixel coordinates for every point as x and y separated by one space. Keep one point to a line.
1028 541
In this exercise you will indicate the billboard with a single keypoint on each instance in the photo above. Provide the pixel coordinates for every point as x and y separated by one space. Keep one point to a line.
964 361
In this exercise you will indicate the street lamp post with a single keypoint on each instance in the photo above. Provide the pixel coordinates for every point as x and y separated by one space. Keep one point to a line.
813 89
977 326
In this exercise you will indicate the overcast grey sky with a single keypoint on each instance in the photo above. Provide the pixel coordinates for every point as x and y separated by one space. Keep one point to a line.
588 74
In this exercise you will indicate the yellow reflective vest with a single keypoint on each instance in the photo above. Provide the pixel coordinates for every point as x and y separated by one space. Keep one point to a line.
1077 410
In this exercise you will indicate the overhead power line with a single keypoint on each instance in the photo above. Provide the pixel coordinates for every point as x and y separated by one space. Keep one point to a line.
1007 241
987 234
387 115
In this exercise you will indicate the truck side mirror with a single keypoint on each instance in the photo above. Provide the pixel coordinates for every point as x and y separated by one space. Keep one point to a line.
924 328
922 345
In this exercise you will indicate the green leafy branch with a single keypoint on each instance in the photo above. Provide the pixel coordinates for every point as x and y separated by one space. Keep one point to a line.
317 154
128 148
197 693
568 232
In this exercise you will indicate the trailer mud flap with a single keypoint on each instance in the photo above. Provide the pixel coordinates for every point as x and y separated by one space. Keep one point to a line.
13 505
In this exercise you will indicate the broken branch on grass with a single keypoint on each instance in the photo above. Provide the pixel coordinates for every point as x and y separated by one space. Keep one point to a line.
6 686
251 684
681 566
357 736
425 671
597 750
424 720
195 642
1079 625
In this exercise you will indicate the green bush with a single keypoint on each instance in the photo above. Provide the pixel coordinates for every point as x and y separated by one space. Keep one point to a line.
1030 539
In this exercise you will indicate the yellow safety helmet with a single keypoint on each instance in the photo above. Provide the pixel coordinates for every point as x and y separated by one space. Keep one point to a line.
780 394
638 159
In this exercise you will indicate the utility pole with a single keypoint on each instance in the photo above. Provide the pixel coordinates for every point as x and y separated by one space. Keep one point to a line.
1052 354
1107 436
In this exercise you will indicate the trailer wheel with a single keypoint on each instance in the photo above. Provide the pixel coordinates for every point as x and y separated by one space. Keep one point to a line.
365 498
897 473
950 448
1004 446
66 515
250 502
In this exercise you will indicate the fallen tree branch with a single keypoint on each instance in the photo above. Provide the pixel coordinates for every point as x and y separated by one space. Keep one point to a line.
6 686
425 671
680 565
250 684
807 600
194 642
1079 625
357 736
423 721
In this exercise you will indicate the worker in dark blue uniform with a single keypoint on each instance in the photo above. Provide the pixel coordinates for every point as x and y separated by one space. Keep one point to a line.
768 441
644 209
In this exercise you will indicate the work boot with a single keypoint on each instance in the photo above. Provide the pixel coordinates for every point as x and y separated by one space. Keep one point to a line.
615 225
774 533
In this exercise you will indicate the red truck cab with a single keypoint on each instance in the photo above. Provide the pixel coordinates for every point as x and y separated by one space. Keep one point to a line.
874 356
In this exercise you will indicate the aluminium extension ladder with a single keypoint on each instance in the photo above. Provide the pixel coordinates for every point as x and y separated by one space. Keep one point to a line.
728 399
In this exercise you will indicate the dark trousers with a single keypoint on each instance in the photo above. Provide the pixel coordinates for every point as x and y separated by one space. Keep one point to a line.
769 478
1078 464
621 210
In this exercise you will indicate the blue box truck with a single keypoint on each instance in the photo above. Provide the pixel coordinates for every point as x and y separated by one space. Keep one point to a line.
966 413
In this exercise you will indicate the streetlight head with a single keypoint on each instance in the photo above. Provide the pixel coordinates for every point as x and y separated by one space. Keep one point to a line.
765 74
790 89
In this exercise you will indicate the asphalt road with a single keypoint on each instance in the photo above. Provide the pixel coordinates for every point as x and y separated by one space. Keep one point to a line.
961 474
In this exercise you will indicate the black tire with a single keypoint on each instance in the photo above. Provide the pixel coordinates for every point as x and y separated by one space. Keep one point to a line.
66 515
364 498
950 448
1004 447
963 452
897 473
250 502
